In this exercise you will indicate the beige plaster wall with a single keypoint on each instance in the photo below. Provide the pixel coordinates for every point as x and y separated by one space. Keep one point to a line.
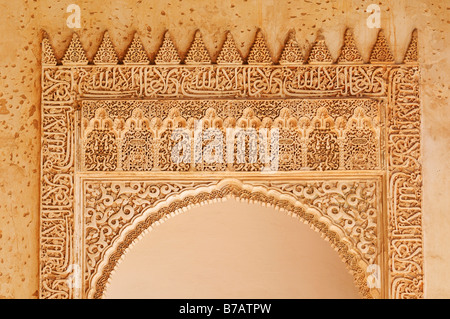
20 33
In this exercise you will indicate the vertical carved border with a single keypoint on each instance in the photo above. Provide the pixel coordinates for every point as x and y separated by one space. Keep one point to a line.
57 200
405 184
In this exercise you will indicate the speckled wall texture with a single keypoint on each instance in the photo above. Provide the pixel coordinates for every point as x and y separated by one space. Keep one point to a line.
21 34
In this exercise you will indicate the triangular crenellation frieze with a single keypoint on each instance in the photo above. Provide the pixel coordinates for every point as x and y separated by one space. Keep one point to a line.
259 53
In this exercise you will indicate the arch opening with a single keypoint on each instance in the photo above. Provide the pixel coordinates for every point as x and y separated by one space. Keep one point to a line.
231 249
232 188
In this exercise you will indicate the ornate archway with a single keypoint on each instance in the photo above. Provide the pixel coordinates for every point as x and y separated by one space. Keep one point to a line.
355 239
107 141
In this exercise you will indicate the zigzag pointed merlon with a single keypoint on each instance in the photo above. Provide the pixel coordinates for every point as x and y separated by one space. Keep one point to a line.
167 53
136 53
259 53
48 55
75 53
320 54
381 52
229 53
349 52
197 53
106 53
412 53
291 54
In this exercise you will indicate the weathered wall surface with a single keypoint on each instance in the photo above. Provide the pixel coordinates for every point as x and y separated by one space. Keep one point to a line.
21 33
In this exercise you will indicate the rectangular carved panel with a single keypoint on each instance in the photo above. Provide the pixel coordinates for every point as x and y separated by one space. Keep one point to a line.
382 101
345 212
314 134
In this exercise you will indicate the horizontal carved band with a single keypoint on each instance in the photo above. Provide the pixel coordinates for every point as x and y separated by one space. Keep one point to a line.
311 135
67 84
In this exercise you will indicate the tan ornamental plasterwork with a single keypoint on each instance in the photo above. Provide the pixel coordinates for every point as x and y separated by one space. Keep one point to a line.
328 206
350 161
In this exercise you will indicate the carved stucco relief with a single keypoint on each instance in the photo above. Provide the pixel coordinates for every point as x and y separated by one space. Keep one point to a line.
319 134
375 105
117 212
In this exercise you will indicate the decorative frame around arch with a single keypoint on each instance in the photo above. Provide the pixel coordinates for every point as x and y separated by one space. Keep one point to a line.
379 98
333 223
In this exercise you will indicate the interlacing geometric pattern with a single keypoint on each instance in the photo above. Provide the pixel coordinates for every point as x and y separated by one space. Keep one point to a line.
349 151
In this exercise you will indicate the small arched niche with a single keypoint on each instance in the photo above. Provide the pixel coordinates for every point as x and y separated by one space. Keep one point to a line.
231 249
